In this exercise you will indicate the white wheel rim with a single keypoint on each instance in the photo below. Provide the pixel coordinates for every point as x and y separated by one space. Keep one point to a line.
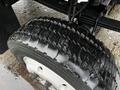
47 74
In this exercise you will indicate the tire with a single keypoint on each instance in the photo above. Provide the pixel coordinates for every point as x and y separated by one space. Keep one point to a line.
70 40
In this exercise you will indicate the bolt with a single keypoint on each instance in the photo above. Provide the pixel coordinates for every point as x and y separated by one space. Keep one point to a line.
63 87
40 68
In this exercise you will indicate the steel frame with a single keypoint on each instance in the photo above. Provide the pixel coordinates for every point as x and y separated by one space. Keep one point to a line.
91 15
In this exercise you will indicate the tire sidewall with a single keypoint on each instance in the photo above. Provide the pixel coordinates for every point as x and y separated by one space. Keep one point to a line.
21 50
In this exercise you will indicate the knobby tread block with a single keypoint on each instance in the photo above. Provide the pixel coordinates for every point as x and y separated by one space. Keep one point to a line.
83 49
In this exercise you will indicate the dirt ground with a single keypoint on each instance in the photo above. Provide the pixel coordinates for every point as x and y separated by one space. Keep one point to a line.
29 9
110 38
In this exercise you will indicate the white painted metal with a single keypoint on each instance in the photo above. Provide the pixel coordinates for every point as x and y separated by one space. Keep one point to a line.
47 74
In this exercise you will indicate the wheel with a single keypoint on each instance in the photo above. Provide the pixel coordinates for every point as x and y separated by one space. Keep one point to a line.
63 55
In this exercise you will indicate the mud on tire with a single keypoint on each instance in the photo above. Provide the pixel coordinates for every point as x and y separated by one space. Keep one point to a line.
71 41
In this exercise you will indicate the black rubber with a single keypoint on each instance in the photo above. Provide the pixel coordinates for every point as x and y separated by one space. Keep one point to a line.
69 39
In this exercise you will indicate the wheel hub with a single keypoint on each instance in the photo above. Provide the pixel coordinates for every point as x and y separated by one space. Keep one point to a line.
49 78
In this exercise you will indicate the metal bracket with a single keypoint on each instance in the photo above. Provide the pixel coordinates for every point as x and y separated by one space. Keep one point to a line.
90 15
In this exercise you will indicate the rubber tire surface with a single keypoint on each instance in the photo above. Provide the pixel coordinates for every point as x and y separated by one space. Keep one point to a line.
69 39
